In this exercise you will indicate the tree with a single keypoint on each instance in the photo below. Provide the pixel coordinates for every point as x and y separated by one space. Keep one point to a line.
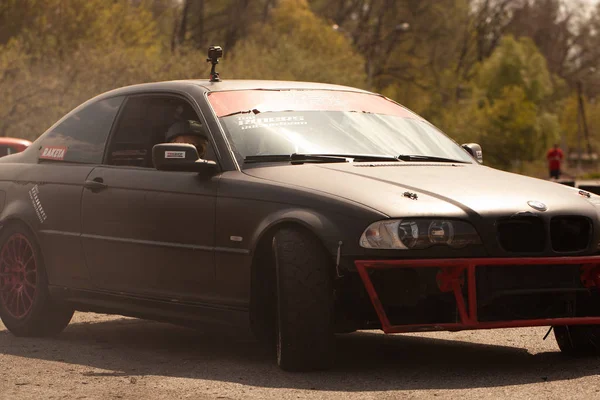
201 23
295 44
510 129
518 122
516 63
56 28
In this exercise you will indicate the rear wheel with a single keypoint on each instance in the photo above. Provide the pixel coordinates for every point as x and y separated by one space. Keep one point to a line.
26 308
305 317
578 340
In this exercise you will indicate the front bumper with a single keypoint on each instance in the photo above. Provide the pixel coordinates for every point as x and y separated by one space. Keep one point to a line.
459 277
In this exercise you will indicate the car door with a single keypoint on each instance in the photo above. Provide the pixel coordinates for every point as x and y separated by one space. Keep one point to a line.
148 232
67 153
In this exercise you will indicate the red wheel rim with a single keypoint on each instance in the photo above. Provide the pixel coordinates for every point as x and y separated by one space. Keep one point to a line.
18 276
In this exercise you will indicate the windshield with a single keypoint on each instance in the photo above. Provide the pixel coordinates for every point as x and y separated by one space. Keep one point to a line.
285 122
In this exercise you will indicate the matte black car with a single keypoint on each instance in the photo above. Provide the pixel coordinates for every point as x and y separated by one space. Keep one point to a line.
316 209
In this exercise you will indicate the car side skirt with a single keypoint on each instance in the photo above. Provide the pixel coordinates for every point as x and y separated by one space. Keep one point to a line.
194 315
454 274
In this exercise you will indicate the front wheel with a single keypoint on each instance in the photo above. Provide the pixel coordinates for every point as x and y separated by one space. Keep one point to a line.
578 340
305 316
26 308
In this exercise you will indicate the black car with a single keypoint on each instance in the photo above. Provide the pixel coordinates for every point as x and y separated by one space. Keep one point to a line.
296 210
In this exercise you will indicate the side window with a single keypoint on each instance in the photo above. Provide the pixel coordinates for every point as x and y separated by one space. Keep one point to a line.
145 121
82 136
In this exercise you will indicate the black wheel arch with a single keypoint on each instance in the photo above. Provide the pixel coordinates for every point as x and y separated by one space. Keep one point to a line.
16 220
20 212
316 223
262 273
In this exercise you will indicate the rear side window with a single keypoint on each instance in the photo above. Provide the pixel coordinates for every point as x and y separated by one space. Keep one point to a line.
81 137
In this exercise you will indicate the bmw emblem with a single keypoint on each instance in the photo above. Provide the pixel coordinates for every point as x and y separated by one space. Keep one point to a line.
537 205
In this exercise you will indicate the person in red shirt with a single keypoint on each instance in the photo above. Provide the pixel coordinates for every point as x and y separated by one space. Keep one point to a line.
554 156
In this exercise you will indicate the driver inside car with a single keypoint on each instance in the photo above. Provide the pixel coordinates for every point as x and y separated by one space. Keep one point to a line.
190 132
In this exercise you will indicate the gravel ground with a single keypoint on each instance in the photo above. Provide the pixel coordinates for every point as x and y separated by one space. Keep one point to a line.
111 357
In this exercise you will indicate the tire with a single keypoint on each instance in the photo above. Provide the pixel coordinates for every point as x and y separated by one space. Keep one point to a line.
578 340
305 316
26 308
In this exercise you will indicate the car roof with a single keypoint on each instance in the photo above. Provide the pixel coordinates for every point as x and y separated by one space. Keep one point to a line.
226 85
234 84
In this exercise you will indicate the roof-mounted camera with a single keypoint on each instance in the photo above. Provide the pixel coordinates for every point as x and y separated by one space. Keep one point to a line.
214 53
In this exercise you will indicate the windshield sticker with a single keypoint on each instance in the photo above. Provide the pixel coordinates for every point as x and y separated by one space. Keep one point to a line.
252 122
37 204
174 154
260 101
54 153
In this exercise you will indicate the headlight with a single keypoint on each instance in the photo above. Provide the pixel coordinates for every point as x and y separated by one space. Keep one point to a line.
406 234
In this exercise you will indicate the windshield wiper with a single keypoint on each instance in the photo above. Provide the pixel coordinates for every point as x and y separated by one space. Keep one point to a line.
298 158
254 110
363 157
295 158
417 157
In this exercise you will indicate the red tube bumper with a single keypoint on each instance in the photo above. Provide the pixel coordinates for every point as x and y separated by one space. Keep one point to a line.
451 278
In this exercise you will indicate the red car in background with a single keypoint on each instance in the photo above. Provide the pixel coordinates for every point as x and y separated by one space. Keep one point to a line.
12 145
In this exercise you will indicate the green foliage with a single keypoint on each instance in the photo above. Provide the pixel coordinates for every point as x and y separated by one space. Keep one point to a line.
510 129
591 175
411 96
464 122
296 45
516 63
507 108
59 27
548 128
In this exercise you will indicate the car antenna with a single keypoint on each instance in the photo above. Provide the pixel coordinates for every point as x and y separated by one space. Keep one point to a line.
214 53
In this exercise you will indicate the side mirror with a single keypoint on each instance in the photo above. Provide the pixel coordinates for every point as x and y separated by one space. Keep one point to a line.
475 151
179 157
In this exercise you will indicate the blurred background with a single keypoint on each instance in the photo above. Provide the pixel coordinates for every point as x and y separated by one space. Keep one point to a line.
516 76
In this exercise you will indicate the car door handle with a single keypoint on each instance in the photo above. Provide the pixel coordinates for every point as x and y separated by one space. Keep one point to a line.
95 185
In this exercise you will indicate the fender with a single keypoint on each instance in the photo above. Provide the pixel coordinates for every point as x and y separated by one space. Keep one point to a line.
19 209
320 225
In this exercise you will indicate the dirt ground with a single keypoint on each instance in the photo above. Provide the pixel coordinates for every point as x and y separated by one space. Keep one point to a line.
110 357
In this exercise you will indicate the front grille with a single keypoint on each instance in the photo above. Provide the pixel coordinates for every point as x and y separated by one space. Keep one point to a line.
570 233
522 235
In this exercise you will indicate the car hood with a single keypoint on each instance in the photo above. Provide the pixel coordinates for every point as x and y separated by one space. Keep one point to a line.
441 189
